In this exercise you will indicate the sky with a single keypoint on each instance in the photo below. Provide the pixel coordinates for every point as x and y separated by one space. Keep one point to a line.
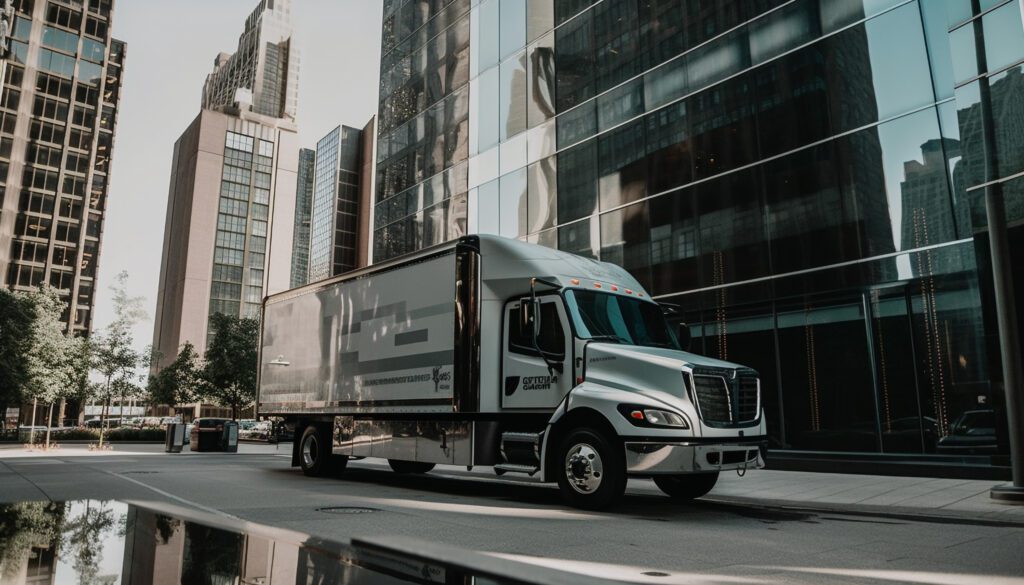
171 47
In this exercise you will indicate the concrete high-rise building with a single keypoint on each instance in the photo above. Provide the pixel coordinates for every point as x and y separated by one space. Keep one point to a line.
335 217
303 215
801 178
231 206
62 80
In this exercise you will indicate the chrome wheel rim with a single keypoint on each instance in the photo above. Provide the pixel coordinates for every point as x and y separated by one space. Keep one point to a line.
584 468
309 451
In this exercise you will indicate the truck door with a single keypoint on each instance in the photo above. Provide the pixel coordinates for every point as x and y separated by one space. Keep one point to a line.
526 379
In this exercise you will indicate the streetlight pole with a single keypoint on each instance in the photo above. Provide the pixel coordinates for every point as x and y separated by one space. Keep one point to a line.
1002 281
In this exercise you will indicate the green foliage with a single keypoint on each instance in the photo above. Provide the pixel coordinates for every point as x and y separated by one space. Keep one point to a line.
23 526
49 355
180 382
127 434
231 356
16 316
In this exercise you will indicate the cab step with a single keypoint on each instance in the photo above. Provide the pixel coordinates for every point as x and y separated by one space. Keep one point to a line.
521 449
503 468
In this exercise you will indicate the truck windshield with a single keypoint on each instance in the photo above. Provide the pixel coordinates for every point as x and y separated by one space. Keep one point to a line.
615 318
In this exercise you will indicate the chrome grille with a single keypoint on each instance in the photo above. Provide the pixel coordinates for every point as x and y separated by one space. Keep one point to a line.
726 397
713 398
747 399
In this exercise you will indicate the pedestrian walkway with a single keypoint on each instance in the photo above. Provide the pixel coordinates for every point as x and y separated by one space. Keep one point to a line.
948 499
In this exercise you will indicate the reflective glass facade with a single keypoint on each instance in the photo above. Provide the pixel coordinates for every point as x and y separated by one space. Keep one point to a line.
802 177
335 214
242 226
303 217
58 112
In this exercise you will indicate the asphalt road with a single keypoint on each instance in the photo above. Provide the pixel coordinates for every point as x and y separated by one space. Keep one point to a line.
645 539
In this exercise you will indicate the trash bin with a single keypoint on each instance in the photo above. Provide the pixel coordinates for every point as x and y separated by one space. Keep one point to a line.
229 440
174 442
208 434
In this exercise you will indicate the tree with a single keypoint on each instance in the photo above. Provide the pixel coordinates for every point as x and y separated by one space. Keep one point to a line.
230 370
49 357
116 360
81 355
16 315
180 382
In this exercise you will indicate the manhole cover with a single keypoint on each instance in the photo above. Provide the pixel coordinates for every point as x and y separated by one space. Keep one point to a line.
347 510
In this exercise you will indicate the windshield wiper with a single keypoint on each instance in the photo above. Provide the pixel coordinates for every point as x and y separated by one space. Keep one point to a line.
615 338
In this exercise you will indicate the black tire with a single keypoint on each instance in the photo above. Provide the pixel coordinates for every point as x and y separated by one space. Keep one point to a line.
590 469
686 487
400 466
315 456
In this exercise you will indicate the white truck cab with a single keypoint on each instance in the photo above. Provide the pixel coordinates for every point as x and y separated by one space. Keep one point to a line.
490 351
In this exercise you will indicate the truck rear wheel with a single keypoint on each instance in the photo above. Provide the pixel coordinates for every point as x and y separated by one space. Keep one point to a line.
591 472
315 456
686 487
400 466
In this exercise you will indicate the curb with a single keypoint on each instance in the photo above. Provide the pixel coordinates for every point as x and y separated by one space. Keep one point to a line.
894 513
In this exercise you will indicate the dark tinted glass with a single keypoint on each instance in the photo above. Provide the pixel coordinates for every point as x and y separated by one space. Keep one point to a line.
552 336
723 128
577 182
625 241
825 371
809 221
620 104
577 124
622 165
616 42
732 232
1007 96
629 320
566 9
577 238
669 150
674 242
792 98
574 54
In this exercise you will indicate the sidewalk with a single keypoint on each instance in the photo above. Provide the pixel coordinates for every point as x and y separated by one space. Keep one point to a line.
921 498
912 497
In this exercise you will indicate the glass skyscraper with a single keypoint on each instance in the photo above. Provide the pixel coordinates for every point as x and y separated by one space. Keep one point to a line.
802 178
58 112
303 216
335 213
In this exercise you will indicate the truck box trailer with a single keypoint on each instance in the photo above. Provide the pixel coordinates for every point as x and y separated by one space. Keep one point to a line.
488 351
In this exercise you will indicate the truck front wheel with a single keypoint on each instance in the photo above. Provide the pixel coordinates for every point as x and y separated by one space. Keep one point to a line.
315 457
686 487
591 471
400 466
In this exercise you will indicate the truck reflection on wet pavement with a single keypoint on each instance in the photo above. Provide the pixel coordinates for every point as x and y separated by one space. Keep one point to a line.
110 542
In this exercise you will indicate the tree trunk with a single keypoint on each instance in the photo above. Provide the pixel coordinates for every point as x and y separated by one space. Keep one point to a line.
49 423
103 411
32 425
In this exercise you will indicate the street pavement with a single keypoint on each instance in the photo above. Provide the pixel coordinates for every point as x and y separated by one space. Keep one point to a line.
767 527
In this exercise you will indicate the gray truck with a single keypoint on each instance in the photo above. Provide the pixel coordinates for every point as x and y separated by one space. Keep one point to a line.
492 352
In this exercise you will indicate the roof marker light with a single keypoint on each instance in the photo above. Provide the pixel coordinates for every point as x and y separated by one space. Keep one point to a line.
629 292
615 288
597 285
575 281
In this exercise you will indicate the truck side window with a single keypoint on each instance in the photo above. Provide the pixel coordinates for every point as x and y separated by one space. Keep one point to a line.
552 336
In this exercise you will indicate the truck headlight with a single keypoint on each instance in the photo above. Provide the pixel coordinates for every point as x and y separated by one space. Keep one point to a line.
653 417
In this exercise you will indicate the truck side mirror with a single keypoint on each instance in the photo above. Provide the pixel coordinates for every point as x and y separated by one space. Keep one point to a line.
529 314
685 337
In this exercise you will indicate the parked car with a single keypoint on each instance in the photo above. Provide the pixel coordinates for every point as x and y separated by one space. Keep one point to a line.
259 431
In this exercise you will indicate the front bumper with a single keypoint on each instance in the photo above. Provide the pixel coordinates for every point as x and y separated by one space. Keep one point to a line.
647 458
